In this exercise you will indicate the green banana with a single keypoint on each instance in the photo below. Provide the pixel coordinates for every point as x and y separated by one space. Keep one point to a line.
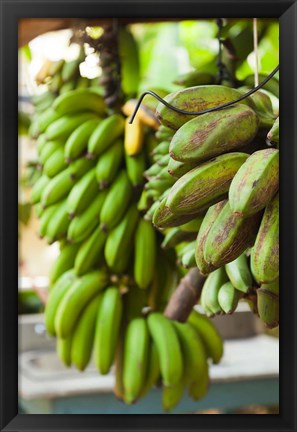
55 163
194 225
105 134
63 263
64 350
209 334
194 354
174 236
64 126
160 185
119 241
77 142
38 188
145 253
272 85
178 169
116 202
188 259
83 335
57 188
229 237
228 297
135 299
195 99
82 83
152 171
135 166
46 218
172 395
255 183
135 358
153 370
169 351
204 185
82 193
56 294
107 329
164 133
90 252
58 225
211 289
83 225
46 118
213 134
162 148
199 388
208 221
265 253
239 273
109 163
49 149
130 62
40 143
162 160
66 87
80 167
273 134
163 217
70 70
268 303
76 298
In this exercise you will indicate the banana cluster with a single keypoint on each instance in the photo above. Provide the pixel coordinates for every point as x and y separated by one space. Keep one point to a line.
215 185
158 351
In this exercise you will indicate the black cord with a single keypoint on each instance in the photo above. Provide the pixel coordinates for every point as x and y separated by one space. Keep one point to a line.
180 111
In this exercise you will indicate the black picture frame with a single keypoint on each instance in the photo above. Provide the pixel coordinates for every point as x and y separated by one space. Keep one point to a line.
11 11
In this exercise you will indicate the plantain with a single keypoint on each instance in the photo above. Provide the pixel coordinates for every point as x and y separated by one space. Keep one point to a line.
255 183
268 303
205 185
213 134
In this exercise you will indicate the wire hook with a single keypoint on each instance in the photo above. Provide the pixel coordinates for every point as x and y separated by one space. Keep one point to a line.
180 111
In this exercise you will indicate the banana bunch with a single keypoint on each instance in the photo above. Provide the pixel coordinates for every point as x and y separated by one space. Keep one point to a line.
214 183
157 350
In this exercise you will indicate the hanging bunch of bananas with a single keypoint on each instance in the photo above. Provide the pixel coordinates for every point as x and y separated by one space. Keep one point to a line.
111 268
215 189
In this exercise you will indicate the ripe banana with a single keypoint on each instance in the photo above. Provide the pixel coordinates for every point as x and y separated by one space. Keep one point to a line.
79 100
83 225
229 237
83 335
255 183
228 297
146 115
204 185
213 134
119 241
208 221
56 294
145 253
239 273
169 351
105 134
77 142
195 99
82 291
265 253
82 193
135 358
209 334
108 164
116 202
134 136
90 252
107 329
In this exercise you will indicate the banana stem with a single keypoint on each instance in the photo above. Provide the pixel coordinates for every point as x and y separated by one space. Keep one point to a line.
185 296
